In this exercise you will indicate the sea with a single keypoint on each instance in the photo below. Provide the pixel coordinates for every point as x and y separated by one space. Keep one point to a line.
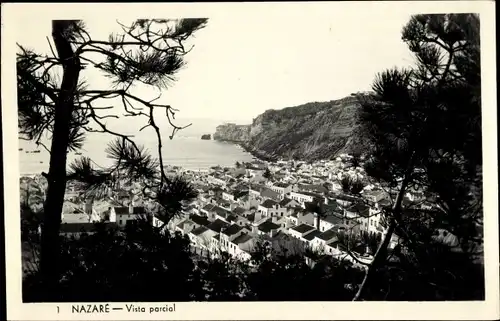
186 150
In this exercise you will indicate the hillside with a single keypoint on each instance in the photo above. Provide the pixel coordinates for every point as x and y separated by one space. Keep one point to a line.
317 130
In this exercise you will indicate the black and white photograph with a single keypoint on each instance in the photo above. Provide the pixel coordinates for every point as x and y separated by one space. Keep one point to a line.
315 155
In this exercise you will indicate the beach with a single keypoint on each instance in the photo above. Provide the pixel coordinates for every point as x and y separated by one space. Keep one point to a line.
190 153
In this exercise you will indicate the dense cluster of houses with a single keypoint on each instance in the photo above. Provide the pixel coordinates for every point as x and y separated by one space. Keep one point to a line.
291 203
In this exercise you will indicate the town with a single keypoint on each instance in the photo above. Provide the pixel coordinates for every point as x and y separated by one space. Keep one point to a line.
240 206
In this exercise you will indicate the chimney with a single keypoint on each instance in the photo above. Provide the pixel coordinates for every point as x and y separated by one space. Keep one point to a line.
88 207
254 229
316 221
258 216
131 207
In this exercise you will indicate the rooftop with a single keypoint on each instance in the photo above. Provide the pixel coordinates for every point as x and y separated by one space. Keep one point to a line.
269 204
199 230
200 220
310 236
332 219
242 238
231 230
308 194
267 226
123 210
217 225
285 201
267 192
358 208
343 197
281 185
239 210
327 235
208 207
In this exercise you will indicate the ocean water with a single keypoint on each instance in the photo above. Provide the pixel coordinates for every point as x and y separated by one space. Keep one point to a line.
186 149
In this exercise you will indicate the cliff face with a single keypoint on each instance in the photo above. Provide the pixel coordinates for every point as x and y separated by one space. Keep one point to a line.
318 130
232 133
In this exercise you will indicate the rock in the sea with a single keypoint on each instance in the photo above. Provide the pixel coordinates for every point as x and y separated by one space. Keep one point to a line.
206 137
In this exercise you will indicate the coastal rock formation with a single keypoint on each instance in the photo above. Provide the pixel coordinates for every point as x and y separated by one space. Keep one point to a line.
206 137
231 132
317 130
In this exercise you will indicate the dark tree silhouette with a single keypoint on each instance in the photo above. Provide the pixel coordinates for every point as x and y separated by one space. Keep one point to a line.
424 126
355 160
351 185
267 174
136 264
147 52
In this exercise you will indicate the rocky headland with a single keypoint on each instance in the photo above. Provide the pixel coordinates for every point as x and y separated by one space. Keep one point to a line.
316 130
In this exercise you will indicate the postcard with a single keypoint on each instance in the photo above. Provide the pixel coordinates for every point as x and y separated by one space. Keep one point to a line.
253 160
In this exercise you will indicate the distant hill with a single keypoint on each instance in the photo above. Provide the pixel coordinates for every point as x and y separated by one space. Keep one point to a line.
316 130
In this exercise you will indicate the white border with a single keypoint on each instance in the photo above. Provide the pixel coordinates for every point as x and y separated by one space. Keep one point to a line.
15 16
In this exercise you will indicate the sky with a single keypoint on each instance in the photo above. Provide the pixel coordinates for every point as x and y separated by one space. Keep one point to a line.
242 65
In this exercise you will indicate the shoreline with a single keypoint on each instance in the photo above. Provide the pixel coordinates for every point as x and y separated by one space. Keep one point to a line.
255 153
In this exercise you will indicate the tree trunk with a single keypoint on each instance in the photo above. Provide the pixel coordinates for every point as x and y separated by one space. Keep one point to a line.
379 257
381 254
57 171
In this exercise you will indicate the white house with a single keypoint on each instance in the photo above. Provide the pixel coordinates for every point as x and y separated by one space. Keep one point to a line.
201 237
254 191
271 208
300 217
327 222
248 201
282 188
288 203
301 197
357 211
234 240
227 196
217 179
372 222
374 196
266 227
87 214
156 221
191 223
123 214
322 239
245 245
300 230
174 222
227 235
